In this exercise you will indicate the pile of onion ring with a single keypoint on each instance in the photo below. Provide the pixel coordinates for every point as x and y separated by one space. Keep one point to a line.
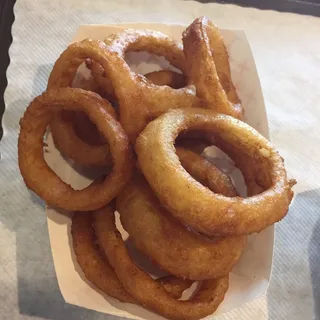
146 135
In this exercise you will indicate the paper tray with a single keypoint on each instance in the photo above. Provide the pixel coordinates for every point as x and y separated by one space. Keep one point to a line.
249 279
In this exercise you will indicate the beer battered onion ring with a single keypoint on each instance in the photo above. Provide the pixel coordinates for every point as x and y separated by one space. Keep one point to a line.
74 134
167 78
197 145
175 249
192 203
85 129
138 99
97 269
208 67
159 78
146 290
42 180
71 145
206 172
90 259
91 150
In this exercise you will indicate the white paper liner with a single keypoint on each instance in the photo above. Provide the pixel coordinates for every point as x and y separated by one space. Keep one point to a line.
250 277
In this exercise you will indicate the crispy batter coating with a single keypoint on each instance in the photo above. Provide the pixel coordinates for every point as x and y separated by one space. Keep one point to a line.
97 269
93 264
42 180
78 138
192 203
159 78
70 143
206 172
138 99
174 248
167 78
208 67
146 290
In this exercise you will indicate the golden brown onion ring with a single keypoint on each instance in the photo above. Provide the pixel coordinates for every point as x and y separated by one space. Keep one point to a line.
255 179
101 78
97 269
42 180
208 67
160 78
174 286
146 290
206 172
167 78
151 41
77 137
70 143
197 141
94 266
138 99
197 145
86 130
192 203
175 249
74 133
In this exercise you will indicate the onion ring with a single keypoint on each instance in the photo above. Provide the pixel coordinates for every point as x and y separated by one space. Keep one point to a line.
74 133
138 99
100 77
206 172
142 287
94 266
197 145
159 78
251 170
192 203
174 286
42 180
97 269
71 145
157 99
77 137
208 67
175 249
167 78
86 130
197 142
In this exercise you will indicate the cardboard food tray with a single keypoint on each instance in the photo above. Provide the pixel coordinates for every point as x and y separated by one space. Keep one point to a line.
250 277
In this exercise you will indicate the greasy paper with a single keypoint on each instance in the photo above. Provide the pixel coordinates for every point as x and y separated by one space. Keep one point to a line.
250 277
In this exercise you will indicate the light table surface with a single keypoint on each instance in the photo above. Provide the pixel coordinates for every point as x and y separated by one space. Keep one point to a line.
286 48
